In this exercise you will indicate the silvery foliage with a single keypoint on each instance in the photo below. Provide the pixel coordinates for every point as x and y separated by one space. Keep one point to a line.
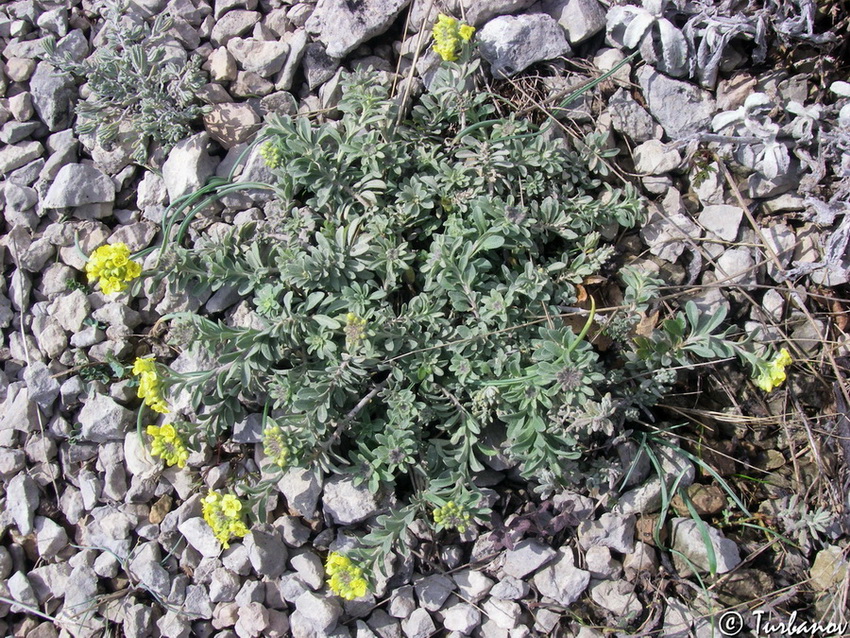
660 42
700 49
806 526
752 121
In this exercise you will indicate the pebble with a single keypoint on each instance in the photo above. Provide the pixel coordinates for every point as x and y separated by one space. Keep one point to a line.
526 557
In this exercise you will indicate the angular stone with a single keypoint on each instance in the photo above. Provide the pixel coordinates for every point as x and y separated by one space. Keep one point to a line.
562 581
188 166
322 613
581 19
527 556
43 388
230 123
231 25
432 591
687 539
265 58
655 158
77 185
681 108
513 43
418 625
342 25
22 499
611 530
15 156
104 420
347 503
722 220
630 118
266 552
54 95
200 536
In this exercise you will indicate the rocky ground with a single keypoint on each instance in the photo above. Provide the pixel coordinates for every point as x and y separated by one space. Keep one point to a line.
734 121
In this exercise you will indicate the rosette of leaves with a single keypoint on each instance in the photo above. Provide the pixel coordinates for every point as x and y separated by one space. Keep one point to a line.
646 28
134 91
406 318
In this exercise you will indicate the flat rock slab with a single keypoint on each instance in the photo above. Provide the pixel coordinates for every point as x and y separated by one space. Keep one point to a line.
77 185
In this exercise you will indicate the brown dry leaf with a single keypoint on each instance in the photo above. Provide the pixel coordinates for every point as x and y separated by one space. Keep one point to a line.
581 294
160 509
647 324
840 313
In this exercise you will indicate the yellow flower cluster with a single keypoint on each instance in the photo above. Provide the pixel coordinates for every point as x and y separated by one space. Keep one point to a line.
167 444
448 35
452 516
271 154
346 578
355 329
111 264
276 445
150 385
223 513
774 374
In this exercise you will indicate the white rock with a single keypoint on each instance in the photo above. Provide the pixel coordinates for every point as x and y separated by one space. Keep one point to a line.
610 530
687 539
680 107
102 420
253 621
266 552
527 556
22 499
722 220
418 625
309 568
301 487
265 58
618 597
78 185
50 537
737 266
342 26
581 19
513 43
472 584
322 613
461 617
654 158
561 580
199 535
432 591
347 503
505 613
188 166
667 237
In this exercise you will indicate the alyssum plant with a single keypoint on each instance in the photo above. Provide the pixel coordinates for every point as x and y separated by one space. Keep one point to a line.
407 309
133 93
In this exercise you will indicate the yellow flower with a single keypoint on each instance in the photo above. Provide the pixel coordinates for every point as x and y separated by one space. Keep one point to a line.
271 154
346 579
774 374
150 384
223 513
355 330
277 445
451 516
448 35
167 444
111 264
